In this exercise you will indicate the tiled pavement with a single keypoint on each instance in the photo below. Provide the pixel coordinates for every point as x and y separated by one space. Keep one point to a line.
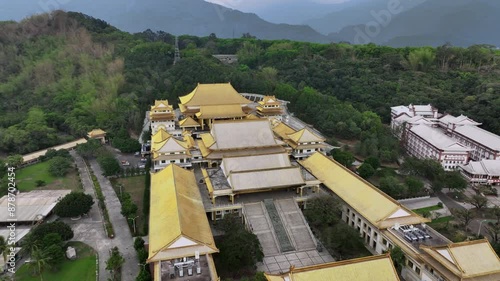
282 263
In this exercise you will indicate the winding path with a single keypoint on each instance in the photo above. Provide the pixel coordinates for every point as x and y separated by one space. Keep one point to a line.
90 229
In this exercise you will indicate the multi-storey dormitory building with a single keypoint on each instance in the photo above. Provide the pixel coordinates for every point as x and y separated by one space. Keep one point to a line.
384 223
466 131
424 141
427 111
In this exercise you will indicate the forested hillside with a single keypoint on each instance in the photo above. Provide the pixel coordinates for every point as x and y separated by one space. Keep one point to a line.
65 74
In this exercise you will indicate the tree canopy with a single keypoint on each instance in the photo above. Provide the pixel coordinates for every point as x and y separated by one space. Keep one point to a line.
74 204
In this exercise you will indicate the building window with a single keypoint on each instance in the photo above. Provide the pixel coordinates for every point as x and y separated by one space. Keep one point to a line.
384 241
410 264
417 270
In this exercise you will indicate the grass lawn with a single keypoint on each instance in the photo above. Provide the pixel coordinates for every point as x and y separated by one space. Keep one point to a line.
26 178
135 187
81 269
440 220
427 209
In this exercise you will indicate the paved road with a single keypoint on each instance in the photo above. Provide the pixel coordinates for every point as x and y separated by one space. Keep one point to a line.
90 229
123 238
474 224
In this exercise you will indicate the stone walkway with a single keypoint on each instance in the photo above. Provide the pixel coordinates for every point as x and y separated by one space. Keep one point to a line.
123 238
90 229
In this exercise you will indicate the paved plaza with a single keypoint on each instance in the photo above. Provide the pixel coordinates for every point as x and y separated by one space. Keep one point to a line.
297 230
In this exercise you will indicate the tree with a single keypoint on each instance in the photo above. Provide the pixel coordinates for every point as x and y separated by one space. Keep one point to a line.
493 230
465 216
454 181
39 262
373 161
74 204
496 212
58 227
366 171
109 164
88 149
138 243
414 185
59 166
398 258
343 240
343 157
15 160
239 247
114 263
478 201
391 186
4 247
55 256
144 275
324 210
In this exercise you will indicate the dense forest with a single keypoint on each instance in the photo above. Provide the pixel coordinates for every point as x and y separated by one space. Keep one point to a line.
65 73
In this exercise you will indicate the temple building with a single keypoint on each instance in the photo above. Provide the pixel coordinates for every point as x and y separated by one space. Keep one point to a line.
162 116
180 239
210 102
270 107
374 268
253 174
303 143
97 134
239 138
166 149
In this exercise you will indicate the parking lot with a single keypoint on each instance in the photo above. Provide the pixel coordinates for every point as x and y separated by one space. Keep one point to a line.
131 158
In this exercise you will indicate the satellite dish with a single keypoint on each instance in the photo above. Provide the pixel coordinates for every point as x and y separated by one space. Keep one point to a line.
397 226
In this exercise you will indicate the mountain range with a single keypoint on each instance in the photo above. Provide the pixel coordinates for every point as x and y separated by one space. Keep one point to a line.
386 22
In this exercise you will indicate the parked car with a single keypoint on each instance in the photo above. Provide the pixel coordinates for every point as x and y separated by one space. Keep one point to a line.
144 160
137 153
125 163
141 166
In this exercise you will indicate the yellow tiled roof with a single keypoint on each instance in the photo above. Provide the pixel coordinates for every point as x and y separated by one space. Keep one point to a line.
208 139
373 268
161 104
378 208
96 132
467 259
213 94
305 135
189 122
252 117
283 130
176 211
269 100
167 146
219 111
160 136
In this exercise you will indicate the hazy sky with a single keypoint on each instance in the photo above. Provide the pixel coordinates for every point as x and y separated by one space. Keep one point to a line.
251 5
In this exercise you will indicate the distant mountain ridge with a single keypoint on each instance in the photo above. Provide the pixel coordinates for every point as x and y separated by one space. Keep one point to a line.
420 23
193 17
